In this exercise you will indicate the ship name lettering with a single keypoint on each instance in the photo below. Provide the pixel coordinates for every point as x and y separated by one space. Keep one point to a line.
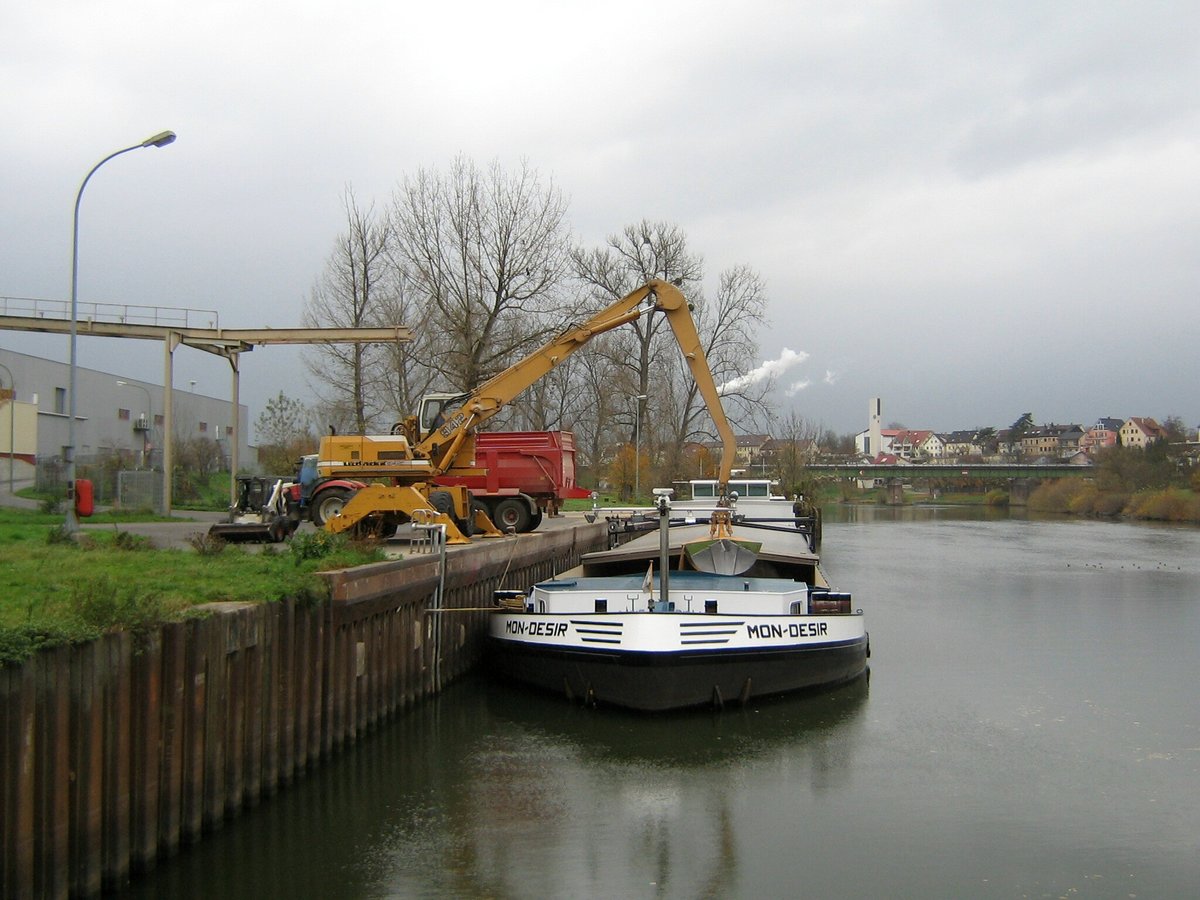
535 629
792 630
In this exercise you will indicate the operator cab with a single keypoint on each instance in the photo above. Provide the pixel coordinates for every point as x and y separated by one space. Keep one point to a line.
435 408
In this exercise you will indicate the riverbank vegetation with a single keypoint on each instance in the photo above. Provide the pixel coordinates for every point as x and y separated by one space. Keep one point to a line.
1087 499
56 589
1150 484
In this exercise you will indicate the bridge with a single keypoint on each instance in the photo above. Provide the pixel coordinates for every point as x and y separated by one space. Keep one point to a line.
957 472
196 328
1018 477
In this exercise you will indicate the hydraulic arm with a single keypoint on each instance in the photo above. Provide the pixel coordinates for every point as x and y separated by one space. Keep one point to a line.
442 445
413 459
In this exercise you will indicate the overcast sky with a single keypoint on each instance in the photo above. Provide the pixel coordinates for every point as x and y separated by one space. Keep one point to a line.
971 210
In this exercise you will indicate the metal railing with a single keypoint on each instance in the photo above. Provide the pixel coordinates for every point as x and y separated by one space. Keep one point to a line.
115 313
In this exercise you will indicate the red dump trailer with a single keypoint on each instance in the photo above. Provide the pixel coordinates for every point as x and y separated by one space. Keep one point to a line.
529 474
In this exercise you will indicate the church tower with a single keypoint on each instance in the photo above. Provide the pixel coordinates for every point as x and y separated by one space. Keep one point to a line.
875 428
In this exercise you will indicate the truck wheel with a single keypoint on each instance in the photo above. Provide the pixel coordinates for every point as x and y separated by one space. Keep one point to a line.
442 502
512 513
329 503
536 519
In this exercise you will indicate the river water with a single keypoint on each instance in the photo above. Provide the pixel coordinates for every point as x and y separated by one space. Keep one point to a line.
1030 728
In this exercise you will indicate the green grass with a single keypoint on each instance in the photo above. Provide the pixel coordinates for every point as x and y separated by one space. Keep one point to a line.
56 590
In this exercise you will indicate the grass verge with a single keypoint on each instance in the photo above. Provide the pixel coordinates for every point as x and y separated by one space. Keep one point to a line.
55 589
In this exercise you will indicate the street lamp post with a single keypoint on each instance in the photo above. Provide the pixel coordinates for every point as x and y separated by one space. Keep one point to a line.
158 140
637 443
149 412
12 412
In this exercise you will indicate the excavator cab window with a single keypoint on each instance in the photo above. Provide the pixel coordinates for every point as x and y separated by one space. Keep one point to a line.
435 407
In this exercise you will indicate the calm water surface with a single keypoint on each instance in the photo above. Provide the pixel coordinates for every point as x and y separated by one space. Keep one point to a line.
1030 728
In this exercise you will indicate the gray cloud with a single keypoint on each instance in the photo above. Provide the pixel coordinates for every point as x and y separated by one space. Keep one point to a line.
968 209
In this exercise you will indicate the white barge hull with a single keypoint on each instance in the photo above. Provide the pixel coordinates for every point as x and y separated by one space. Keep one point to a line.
661 661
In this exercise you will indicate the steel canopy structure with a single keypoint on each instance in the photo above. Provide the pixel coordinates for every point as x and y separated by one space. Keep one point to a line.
227 342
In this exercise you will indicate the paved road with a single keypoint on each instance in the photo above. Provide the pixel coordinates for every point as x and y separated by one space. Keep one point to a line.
180 534
8 499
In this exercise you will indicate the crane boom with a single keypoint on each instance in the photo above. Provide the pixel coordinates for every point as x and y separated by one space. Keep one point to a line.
441 446
411 459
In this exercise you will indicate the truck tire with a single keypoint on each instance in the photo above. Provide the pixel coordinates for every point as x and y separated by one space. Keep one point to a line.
512 513
442 502
536 519
328 504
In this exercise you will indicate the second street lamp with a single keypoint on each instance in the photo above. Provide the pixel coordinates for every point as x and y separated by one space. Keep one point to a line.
149 414
638 399
12 411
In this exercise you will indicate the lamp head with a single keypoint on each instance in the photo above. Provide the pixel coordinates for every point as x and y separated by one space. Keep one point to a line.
159 140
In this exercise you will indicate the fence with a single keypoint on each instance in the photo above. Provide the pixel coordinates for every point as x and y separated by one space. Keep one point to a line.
140 489
117 752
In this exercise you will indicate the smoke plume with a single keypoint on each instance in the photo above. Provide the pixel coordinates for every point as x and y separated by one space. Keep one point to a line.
787 359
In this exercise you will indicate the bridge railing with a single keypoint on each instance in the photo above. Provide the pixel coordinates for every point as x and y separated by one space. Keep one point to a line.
117 313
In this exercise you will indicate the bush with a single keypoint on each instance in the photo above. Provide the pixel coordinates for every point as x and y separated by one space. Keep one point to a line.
206 544
23 641
99 603
318 544
996 497
59 535
1057 496
127 540
1110 503
1165 506
1083 501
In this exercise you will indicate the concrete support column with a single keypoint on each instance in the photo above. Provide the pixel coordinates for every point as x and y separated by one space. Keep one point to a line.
1019 490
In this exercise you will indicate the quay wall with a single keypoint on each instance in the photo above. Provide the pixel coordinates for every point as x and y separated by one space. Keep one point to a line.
118 752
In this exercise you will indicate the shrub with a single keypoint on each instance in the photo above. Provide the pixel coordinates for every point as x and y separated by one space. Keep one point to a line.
1110 503
1164 506
206 544
127 540
23 641
1083 501
101 604
1056 496
318 544
59 535
996 497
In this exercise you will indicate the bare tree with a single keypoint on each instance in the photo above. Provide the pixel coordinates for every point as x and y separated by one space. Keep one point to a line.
284 433
410 373
795 444
727 329
485 253
646 359
356 290
598 405
638 254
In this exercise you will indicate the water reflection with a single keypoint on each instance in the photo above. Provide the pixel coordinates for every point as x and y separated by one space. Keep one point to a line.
557 800
492 791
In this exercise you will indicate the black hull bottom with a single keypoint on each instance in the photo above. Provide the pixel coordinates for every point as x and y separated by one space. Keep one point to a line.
655 682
